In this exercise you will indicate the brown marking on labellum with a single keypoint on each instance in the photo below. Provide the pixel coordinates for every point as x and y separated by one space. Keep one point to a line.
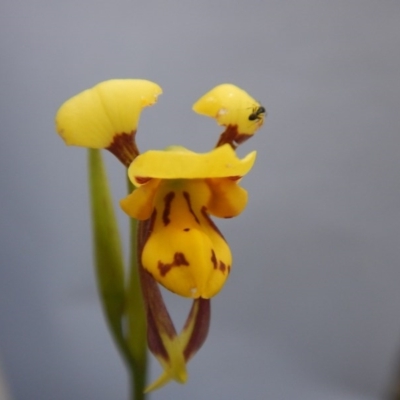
210 221
124 147
167 207
179 260
214 259
186 229
186 195
222 266
234 178
164 268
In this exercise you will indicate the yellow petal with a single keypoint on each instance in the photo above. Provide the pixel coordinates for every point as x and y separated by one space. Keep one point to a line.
95 116
228 198
175 368
140 203
186 345
185 252
231 106
180 163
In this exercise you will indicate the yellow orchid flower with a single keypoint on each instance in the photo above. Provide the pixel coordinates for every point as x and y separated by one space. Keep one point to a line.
179 189
177 192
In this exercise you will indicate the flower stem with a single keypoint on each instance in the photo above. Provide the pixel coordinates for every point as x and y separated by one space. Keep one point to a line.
117 300
136 324
108 260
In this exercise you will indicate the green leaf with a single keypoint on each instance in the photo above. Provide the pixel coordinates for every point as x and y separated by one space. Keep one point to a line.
108 258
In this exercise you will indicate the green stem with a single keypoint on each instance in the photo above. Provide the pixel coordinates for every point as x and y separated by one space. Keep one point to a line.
108 258
136 338
117 300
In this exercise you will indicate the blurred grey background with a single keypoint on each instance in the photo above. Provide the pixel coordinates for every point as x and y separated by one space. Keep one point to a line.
312 308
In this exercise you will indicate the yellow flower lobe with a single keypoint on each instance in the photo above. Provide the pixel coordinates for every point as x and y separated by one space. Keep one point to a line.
107 115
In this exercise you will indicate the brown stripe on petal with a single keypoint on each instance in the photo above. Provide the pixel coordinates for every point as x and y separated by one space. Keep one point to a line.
232 136
186 195
210 221
242 137
222 266
124 147
154 341
201 312
214 259
167 207
147 227
179 259
228 136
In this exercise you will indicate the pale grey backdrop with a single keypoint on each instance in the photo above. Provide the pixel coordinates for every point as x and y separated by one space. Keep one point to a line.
312 308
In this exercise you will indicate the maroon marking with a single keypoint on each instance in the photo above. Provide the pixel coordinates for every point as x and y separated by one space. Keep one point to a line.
152 222
210 221
222 266
214 259
234 178
201 326
167 207
179 259
141 180
164 268
124 147
154 340
186 195
147 227
232 136
187 229
228 136
242 137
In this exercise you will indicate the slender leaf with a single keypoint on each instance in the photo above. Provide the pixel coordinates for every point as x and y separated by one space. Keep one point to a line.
108 258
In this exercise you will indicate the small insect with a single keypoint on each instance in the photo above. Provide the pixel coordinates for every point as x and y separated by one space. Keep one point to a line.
257 113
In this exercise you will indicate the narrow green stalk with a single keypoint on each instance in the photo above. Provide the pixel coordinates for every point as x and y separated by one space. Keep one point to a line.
109 267
137 340
108 258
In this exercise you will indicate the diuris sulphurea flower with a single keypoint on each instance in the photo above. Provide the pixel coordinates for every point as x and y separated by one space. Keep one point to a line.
185 251
176 192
